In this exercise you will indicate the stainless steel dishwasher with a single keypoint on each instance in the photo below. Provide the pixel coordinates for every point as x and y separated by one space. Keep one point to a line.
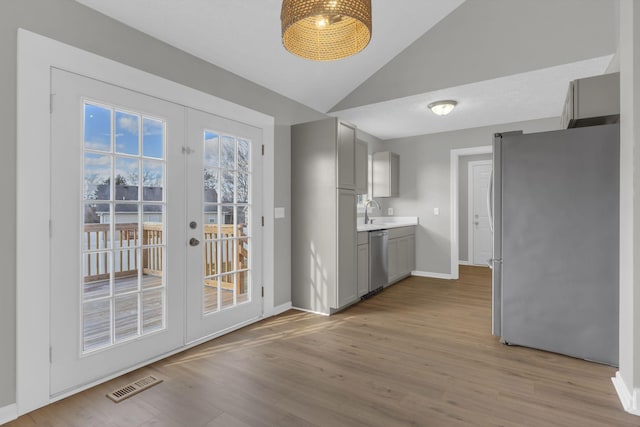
378 260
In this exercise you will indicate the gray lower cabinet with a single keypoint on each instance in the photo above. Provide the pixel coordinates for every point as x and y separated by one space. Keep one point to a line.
323 216
347 256
401 249
363 263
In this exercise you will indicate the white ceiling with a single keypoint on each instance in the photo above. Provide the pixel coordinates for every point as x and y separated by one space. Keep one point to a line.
532 95
243 37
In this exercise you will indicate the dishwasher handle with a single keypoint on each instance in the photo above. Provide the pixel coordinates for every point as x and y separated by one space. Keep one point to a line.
378 233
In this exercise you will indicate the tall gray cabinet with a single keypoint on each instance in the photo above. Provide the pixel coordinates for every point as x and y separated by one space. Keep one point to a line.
323 209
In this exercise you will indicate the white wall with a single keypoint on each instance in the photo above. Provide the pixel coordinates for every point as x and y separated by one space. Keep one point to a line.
627 379
425 185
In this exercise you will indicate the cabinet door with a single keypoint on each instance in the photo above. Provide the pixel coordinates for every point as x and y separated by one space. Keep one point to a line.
346 160
380 174
386 174
392 253
403 256
362 164
363 269
347 258
394 175
412 253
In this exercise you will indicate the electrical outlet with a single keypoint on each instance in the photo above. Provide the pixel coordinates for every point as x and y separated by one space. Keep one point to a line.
389 211
436 211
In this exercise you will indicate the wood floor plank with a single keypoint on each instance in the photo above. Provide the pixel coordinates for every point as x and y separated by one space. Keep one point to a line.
420 353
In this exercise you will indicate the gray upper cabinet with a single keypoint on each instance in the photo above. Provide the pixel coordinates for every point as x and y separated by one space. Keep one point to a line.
386 174
362 167
592 101
346 156
323 216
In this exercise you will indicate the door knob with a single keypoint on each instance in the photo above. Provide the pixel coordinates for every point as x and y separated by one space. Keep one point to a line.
476 223
194 242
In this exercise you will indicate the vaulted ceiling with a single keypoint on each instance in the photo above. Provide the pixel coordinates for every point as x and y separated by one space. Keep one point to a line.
502 60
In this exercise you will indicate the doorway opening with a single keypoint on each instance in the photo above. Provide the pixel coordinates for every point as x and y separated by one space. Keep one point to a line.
455 156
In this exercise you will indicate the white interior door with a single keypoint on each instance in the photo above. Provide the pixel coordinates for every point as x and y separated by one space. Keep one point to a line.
224 211
117 229
480 237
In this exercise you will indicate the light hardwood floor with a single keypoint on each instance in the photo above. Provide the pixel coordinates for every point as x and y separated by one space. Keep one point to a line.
418 354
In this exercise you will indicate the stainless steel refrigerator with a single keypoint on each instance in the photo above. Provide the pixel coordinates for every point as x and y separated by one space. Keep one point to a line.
555 202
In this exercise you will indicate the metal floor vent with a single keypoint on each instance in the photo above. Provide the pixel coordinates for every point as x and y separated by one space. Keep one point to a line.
133 388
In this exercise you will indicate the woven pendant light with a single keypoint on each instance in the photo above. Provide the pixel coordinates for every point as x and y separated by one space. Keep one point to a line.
325 30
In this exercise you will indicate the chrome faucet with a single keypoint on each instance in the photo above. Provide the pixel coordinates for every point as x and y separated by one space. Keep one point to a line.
367 220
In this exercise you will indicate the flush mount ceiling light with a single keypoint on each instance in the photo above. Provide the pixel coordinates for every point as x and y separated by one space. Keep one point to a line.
325 30
442 108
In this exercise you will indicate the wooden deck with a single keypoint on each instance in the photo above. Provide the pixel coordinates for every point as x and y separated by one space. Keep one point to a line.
97 327
420 353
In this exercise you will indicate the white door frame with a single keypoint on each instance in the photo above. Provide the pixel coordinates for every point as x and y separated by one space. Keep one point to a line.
453 197
470 193
36 56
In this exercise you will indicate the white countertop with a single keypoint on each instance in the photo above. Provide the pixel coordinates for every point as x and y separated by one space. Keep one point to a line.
386 222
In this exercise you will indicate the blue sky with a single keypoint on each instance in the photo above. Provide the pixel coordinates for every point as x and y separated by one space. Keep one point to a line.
97 132
132 133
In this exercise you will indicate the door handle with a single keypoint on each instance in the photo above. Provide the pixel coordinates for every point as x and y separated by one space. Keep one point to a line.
194 242
476 222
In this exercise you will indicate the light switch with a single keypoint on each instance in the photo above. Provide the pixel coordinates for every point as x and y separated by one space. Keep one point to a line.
389 211
279 213
436 211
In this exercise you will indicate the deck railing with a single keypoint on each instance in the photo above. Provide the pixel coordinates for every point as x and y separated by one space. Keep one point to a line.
224 242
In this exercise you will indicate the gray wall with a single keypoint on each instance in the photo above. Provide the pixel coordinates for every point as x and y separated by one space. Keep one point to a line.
463 203
487 39
74 24
282 230
425 184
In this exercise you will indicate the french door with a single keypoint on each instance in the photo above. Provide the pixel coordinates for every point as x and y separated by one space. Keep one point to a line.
224 263
154 238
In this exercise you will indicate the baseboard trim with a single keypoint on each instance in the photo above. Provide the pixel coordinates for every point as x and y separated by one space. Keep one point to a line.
8 413
630 401
432 275
461 262
280 309
310 311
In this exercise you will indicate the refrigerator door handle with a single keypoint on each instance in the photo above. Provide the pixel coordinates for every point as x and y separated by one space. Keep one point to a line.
489 200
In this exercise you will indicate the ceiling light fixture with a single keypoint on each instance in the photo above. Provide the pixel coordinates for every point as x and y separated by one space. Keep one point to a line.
442 108
325 30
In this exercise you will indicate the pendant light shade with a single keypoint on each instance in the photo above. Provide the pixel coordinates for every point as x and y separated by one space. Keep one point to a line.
325 30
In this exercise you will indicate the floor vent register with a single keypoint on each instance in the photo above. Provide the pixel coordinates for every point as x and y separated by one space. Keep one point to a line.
133 388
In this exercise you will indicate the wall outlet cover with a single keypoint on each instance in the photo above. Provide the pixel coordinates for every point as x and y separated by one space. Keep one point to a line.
389 211
279 213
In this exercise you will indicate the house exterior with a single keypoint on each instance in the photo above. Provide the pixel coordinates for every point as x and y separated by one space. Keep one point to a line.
76 25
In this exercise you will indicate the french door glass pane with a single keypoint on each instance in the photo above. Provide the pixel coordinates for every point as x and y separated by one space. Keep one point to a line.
96 324
226 214
123 286
97 129
152 310
127 133
152 138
